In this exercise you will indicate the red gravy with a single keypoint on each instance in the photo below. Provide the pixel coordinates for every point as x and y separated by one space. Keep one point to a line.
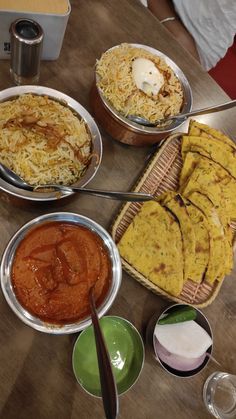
53 269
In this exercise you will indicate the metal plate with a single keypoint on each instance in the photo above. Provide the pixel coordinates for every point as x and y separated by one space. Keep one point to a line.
7 261
14 92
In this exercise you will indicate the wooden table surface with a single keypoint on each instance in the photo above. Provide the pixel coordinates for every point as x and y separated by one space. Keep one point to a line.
36 378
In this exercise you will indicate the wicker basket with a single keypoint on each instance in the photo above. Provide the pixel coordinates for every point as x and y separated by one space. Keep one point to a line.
162 174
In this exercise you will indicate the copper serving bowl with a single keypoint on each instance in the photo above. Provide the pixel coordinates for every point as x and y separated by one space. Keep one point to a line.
126 131
16 195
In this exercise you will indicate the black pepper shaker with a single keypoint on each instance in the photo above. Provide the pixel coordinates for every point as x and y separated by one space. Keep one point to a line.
26 49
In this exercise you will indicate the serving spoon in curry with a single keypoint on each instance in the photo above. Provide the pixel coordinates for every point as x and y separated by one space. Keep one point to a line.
12 178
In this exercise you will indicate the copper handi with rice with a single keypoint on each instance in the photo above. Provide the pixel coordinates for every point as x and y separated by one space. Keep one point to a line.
115 79
43 141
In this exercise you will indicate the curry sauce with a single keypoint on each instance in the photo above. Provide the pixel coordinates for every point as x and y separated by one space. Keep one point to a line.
54 267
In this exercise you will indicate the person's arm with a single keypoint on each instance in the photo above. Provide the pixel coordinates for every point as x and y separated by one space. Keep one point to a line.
163 9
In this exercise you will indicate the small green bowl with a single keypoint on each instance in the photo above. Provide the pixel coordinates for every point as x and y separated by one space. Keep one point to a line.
126 350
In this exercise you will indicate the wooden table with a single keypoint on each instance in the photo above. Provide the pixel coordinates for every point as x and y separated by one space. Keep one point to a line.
36 378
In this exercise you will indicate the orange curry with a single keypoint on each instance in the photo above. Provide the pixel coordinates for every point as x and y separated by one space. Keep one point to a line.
54 267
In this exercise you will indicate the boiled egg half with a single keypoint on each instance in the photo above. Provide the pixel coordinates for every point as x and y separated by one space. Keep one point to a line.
146 76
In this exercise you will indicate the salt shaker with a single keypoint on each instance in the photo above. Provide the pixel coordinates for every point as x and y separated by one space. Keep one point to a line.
26 48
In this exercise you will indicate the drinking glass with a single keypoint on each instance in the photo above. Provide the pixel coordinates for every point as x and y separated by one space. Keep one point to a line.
219 394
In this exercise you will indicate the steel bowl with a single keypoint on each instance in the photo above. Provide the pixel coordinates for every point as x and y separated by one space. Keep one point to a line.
201 319
129 132
7 263
13 93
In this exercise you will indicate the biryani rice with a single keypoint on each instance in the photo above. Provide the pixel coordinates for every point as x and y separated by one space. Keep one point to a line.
115 80
43 141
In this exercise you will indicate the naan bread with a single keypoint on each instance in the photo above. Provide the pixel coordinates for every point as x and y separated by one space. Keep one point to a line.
145 245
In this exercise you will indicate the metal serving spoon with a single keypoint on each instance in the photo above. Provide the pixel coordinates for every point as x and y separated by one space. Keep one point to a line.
11 177
211 109
108 384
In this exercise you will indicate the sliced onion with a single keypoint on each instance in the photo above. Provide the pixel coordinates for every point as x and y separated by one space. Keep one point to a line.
177 362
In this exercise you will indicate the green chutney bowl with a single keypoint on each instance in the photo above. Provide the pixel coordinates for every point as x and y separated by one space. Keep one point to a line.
126 350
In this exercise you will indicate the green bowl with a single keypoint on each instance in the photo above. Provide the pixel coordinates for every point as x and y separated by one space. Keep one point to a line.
126 350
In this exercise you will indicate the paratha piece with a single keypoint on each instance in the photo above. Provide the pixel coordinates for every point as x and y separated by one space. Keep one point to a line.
212 180
221 153
190 163
175 203
229 261
194 229
218 256
152 245
203 130
202 234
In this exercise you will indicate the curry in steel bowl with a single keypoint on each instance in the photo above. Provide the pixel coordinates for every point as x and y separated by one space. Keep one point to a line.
49 267
47 137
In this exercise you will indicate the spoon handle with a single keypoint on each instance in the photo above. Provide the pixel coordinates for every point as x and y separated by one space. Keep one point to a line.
203 111
122 196
108 385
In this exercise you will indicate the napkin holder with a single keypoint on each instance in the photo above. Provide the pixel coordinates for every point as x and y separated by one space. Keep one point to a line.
51 15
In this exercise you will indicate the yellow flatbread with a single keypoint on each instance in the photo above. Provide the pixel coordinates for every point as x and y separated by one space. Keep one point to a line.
176 205
202 249
212 180
203 130
221 153
229 259
191 161
218 256
145 245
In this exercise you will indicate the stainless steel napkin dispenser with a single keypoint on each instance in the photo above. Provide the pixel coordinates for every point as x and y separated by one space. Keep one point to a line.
51 15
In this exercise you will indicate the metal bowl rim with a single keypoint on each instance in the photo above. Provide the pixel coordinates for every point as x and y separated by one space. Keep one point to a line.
141 365
187 105
10 93
211 347
9 253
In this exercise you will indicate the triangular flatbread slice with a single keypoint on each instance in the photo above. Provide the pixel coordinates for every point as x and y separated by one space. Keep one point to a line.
145 245
203 130
212 180
218 261
176 205
202 249
223 154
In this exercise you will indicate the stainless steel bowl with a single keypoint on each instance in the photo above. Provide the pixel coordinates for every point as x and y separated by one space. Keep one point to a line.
6 268
128 131
201 319
14 92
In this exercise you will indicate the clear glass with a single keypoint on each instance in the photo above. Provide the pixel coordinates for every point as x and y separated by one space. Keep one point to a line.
219 394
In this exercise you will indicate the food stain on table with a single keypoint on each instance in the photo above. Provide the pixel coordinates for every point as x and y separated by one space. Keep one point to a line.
54 267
